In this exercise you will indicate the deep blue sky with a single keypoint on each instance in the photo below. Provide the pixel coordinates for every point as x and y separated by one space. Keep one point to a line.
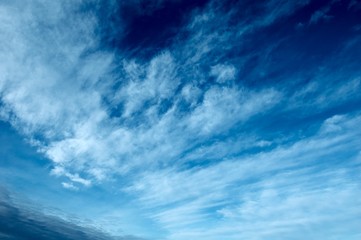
180 120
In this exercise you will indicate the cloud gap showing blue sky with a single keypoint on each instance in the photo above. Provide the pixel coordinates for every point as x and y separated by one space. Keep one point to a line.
173 119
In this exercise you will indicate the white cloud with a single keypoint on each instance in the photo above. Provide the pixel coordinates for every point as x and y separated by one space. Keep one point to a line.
266 194
191 94
59 89
223 73
322 95
158 83
47 81
58 94
69 186
223 107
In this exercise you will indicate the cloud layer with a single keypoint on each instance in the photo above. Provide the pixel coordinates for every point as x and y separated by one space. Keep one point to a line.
243 119
21 222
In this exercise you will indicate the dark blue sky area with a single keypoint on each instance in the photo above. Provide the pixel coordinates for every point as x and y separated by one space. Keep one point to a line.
149 26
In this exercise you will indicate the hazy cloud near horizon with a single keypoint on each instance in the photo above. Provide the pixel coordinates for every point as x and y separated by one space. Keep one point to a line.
19 221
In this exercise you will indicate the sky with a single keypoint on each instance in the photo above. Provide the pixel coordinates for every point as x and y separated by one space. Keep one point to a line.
180 119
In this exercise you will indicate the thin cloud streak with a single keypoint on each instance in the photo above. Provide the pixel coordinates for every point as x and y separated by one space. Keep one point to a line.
280 190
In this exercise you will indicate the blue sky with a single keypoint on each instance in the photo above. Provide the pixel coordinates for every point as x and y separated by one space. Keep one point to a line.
175 120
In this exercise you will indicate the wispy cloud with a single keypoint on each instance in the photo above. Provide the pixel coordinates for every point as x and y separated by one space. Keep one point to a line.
205 134
59 95
273 193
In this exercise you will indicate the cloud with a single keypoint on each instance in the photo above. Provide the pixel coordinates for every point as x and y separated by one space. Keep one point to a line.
273 193
35 78
223 73
159 83
50 80
223 107
198 131
321 15
354 5
89 124
69 186
21 221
